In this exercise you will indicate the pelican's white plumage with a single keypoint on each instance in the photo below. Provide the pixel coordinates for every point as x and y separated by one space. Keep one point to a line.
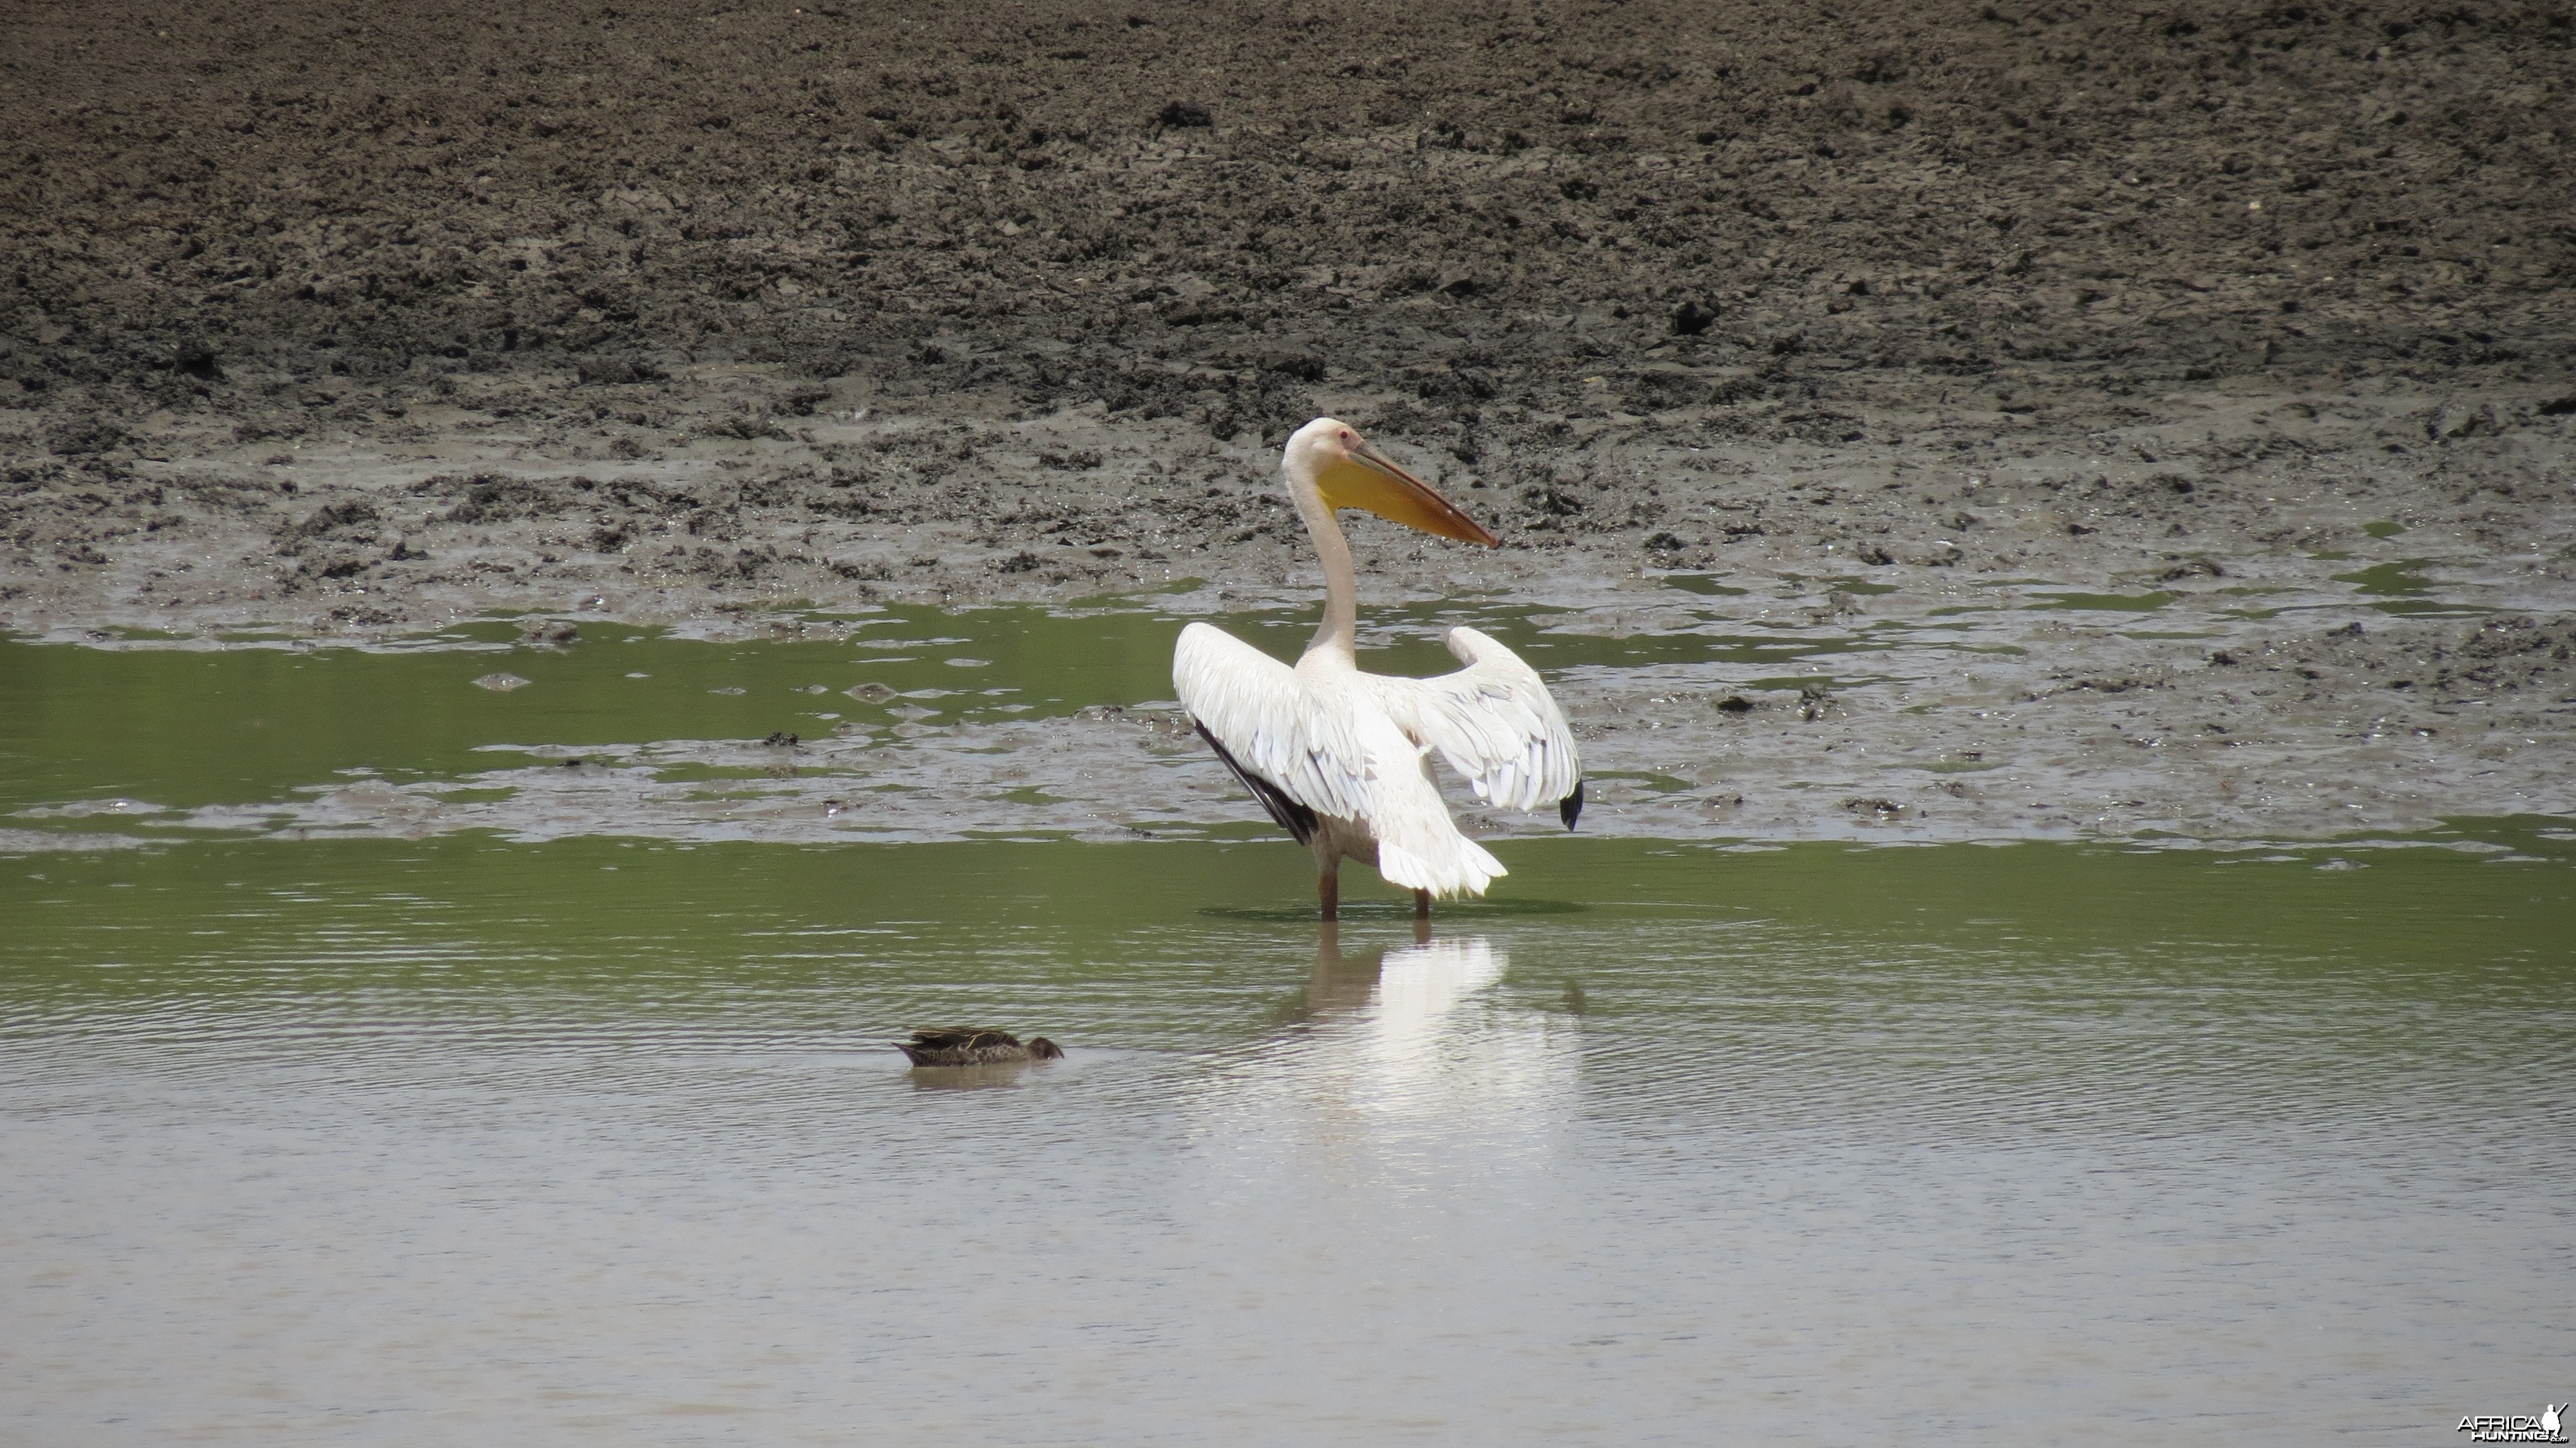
1339 757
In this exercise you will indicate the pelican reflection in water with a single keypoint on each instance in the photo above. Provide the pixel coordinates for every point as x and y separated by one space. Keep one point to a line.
1409 1041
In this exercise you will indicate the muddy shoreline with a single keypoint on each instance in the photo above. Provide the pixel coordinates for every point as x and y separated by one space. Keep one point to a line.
2227 389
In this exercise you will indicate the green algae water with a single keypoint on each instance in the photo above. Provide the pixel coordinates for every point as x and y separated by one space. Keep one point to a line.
384 1060
184 724
676 736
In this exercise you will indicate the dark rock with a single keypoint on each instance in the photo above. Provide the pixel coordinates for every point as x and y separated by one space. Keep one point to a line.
196 359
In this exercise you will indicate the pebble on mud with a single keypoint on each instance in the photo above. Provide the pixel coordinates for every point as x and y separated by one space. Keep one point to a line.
871 693
500 683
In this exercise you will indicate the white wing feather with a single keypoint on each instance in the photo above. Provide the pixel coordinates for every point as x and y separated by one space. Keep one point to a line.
1354 750
1271 721
1492 720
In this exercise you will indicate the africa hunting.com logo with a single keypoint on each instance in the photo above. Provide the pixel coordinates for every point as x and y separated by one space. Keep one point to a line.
2517 1427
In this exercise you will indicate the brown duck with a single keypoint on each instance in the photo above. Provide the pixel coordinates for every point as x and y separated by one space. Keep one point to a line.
974 1046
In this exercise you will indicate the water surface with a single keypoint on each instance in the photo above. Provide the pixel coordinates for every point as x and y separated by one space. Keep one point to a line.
422 1142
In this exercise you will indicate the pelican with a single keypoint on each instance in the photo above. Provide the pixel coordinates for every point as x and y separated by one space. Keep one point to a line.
1339 758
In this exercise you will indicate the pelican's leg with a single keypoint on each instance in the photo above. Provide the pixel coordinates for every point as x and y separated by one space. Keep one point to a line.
1421 904
1328 893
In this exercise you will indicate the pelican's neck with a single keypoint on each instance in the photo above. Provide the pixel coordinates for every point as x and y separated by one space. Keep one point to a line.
1339 632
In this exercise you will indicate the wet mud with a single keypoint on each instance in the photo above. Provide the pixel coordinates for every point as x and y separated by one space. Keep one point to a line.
2165 348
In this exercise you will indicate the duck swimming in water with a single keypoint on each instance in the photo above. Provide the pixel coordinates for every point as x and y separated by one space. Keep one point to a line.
975 1046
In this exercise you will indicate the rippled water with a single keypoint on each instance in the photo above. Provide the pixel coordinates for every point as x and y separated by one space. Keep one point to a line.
599 1141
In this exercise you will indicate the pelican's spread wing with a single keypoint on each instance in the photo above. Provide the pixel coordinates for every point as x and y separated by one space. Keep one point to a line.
1305 751
1271 729
1495 724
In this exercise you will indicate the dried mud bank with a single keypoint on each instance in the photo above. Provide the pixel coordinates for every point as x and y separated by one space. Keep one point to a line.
2159 348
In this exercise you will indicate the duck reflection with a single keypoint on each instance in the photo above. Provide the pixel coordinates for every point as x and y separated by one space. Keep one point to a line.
967 1078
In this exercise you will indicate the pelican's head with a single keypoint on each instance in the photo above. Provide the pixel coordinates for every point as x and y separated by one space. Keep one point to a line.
1346 472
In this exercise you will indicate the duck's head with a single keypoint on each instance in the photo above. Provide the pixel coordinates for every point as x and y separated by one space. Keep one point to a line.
1042 1049
1346 472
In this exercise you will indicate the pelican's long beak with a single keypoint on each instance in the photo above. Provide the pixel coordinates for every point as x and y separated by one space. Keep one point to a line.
1368 480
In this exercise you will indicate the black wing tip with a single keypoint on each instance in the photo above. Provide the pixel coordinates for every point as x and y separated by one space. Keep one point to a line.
1284 812
1570 808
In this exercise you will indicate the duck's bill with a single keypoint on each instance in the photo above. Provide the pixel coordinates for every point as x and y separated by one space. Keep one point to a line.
1368 480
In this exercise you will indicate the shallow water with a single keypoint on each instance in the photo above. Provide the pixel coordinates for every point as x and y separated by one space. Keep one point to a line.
187 722
906 723
598 1141
386 1058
